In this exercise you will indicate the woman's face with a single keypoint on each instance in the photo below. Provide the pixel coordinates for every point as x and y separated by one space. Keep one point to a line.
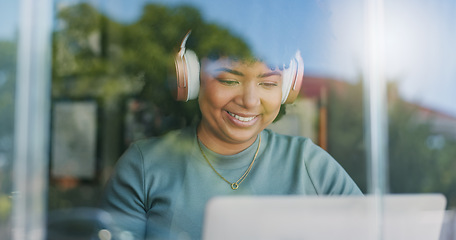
238 100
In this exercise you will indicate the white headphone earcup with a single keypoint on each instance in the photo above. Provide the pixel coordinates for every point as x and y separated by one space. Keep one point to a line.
292 79
187 84
193 74
287 80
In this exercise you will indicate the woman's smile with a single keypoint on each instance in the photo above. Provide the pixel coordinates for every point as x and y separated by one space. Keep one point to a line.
242 121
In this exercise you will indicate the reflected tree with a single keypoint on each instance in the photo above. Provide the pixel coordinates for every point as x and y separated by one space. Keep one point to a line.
7 90
421 159
346 131
7 87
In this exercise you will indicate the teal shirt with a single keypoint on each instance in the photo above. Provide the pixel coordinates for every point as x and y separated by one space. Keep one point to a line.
160 186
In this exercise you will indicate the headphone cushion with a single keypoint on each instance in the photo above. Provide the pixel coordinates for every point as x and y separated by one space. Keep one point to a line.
193 74
287 80
292 79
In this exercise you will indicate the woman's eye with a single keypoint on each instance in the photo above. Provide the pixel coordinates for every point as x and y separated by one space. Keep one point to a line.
228 82
269 84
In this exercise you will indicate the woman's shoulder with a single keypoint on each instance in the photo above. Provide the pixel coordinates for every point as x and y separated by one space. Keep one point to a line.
326 174
278 138
303 147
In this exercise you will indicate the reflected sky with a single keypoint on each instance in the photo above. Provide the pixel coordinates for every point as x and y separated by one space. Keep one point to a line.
421 50
420 37
9 20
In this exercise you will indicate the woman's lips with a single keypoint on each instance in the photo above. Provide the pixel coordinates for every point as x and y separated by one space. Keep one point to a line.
240 118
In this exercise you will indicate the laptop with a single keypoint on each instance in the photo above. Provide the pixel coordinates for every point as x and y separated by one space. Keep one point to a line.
391 217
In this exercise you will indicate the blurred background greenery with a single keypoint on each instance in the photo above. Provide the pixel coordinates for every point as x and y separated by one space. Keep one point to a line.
7 86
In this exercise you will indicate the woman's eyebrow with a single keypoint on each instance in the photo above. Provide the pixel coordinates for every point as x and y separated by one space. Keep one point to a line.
268 74
229 71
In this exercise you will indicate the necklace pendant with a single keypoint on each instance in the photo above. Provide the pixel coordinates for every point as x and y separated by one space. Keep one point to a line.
234 186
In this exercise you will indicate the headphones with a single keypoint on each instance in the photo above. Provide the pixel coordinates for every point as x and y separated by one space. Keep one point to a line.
188 75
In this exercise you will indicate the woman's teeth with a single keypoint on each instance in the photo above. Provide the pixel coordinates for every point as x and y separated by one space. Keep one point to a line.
243 119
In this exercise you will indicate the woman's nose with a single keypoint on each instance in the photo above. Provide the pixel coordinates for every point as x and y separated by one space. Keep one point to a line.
250 96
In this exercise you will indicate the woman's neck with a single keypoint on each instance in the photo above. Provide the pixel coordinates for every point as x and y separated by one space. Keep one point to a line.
219 145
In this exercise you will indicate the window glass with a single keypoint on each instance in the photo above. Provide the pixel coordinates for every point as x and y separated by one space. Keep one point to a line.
112 60
8 51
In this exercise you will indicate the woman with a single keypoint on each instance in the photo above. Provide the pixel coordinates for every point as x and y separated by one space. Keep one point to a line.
161 185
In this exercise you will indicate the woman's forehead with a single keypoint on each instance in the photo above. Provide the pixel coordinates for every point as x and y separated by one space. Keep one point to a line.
235 66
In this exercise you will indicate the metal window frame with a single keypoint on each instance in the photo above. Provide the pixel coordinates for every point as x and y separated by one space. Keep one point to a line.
30 164
375 109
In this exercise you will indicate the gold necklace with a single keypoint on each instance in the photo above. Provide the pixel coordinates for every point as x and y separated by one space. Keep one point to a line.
234 185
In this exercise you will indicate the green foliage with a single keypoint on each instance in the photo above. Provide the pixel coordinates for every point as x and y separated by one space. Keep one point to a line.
8 56
7 90
7 87
415 165
346 131
413 157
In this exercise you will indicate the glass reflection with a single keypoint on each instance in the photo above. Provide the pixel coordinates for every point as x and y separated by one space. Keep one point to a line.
8 51
119 54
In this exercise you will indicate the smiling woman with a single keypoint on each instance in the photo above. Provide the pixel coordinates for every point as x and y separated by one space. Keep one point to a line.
161 185
237 101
